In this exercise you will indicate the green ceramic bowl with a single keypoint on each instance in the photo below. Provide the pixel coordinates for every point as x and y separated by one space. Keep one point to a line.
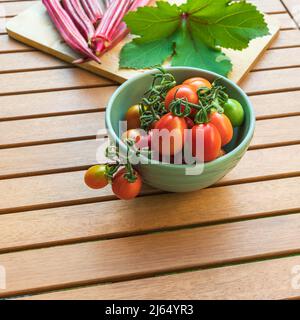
174 178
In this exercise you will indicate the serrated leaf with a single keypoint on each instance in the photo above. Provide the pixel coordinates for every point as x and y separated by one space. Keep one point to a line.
194 53
231 26
154 23
136 55
194 6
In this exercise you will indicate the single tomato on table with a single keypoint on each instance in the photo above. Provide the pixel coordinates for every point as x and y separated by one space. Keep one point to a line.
206 137
124 189
168 135
224 126
185 92
95 177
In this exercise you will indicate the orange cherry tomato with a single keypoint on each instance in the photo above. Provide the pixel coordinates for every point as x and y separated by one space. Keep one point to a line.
207 136
174 125
133 117
124 189
182 92
95 177
198 83
224 126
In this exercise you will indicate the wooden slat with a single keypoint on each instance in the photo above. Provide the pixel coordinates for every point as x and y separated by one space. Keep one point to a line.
150 254
271 81
9 45
2 25
17 133
28 61
49 80
273 281
11 9
75 127
68 188
256 82
50 103
118 218
285 21
288 38
276 132
281 58
78 155
293 7
271 105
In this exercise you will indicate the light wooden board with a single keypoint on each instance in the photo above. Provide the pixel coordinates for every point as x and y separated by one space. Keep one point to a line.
33 27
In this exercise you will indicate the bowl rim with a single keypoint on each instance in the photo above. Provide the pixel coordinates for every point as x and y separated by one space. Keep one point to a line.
228 156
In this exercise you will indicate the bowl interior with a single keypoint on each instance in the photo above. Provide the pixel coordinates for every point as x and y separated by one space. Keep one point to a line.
132 91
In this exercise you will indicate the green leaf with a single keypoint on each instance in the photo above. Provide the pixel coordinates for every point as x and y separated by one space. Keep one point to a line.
197 30
227 25
194 53
145 55
154 23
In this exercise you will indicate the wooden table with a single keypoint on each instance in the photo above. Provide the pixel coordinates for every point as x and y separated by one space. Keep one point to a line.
238 239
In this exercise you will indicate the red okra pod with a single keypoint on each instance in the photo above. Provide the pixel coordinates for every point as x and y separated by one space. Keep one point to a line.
80 19
110 23
93 10
67 29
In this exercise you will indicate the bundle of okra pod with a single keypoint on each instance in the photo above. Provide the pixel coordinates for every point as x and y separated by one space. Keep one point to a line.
91 27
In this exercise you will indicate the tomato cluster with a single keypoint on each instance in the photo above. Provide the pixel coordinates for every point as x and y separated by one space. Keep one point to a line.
184 110
196 108
125 185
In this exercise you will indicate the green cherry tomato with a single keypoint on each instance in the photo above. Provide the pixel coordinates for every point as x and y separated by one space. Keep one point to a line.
235 112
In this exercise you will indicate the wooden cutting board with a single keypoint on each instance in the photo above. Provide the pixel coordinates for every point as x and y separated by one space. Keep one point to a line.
34 28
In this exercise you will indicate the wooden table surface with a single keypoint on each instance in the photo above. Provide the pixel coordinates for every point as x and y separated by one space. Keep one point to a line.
60 240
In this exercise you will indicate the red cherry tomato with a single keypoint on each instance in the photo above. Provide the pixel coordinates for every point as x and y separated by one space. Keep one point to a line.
182 92
95 177
139 136
124 189
133 117
198 83
174 125
224 126
207 136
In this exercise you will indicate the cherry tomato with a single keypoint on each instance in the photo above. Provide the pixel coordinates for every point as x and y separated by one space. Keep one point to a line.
95 177
182 92
207 135
133 117
139 136
198 83
224 126
176 127
235 112
124 189
189 122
